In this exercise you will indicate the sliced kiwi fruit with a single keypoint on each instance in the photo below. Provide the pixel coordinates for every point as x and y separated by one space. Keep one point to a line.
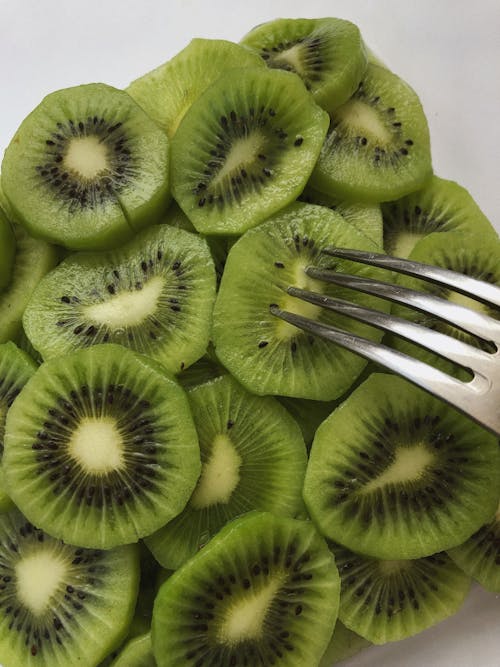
328 54
7 251
394 473
265 354
138 652
367 218
253 458
479 556
203 370
154 295
307 414
16 368
100 447
469 254
61 605
441 206
389 600
377 147
264 592
245 149
167 92
87 168
33 260
343 645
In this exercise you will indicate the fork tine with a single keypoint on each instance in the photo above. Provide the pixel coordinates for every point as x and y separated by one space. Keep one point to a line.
461 353
459 316
476 289
451 390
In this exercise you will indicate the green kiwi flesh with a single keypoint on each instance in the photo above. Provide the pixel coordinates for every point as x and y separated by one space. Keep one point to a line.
473 255
16 368
33 260
253 458
87 168
138 652
394 473
441 206
328 54
61 605
153 295
7 251
343 645
308 414
100 448
167 92
377 148
389 600
265 354
479 556
245 149
366 218
264 591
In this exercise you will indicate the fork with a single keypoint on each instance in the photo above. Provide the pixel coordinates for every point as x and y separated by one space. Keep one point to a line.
479 398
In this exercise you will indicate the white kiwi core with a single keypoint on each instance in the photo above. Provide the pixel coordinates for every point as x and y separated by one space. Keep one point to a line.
38 578
243 152
244 619
409 465
298 278
97 445
219 476
363 120
87 157
127 308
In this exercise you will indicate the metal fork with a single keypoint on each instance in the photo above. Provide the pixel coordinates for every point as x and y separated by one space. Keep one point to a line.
480 397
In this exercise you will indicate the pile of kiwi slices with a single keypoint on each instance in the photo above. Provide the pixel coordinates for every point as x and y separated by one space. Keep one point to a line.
186 480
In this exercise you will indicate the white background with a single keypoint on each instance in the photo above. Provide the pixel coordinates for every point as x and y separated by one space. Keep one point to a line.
448 50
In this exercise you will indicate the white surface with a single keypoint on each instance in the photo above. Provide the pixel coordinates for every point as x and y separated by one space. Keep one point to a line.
448 50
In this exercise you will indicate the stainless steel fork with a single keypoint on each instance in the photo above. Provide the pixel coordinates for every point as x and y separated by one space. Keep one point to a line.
480 397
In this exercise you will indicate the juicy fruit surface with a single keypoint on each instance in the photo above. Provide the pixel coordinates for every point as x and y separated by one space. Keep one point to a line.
388 600
264 590
154 295
87 168
344 644
33 260
439 208
328 54
265 354
245 149
396 474
377 147
168 91
253 458
52 594
137 653
7 251
100 448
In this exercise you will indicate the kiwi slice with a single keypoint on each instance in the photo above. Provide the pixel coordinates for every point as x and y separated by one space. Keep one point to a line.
138 652
307 414
87 168
470 254
439 207
253 458
154 295
32 261
245 149
167 92
394 473
16 368
61 605
377 147
343 645
388 600
7 251
265 354
264 591
100 447
366 218
479 556
328 54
